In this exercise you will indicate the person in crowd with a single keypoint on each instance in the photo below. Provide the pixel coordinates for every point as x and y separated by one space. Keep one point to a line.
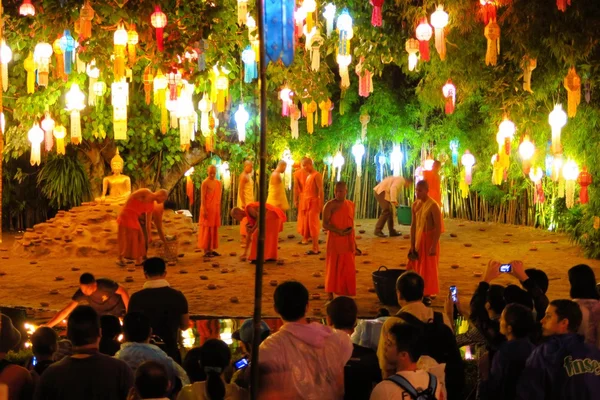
274 220
166 307
210 213
44 343
302 360
277 196
403 348
563 367
584 292
338 220
362 372
16 378
151 382
104 295
134 221
516 324
111 330
313 199
192 367
245 335
535 281
514 294
300 176
245 194
87 374
215 357
368 331
425 232
387 193
137 349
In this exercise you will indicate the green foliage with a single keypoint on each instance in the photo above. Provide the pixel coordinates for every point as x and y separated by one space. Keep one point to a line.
64 182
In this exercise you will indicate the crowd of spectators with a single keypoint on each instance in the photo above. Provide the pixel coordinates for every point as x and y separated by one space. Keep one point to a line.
525 346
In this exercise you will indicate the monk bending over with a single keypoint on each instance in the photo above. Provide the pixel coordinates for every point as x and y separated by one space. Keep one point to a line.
277 196
338 220
274 220
312 204
425 238
134 221
245 194
299 182
210 214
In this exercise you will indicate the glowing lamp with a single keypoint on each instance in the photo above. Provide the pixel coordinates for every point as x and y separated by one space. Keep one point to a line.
75 102
27 9
396 158
570 173
48 127
289 163
526 150
423 34
242 9
449 92
492 34
2 123
506 132
439 20
41 58
329 14
5 58
86 15
572 84
250 64
310 7
454 151
412 47
67 45
557 120
358 151
376 17
467 161
159 21
344 26
59 134
428 164
338 163
93 73
584 179
286 101
35 136
225 174
205 107
241 119
557 164
132 40
536 175
187 116
380 161
159 85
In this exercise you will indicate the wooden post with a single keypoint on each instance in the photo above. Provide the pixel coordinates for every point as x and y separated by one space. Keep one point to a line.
1 133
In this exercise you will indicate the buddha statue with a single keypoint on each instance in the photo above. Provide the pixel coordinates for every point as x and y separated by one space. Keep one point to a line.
116 188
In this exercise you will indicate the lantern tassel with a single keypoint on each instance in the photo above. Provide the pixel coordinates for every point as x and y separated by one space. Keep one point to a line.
294 117
75 127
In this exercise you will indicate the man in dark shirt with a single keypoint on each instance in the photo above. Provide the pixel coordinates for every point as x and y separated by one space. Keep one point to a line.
104 295
362 371
44 343
87 374
167 308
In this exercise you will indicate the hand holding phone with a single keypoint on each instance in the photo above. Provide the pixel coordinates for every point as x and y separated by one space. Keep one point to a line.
505 268
241 363
454 293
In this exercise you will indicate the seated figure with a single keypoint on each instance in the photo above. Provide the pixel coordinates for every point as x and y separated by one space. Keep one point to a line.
117 185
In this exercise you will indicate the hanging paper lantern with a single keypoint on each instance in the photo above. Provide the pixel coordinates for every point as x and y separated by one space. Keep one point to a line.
148 79
29 66
573 85
99 91
396 158
295 115
160 99
120 40
557 164
75 102
528 65
492 33
562 4
59 134
365 79
526 150
78 62
536 176
205 107
93 73
189 185
315 51
310 108
412 47
286 101
497 170
506 132
279 30
329 14
423 34
428 163
467 161
557 120
358 151
584 180
59 71
454 151
187 116
158 19
241 119
203 47
48 127
67 45
344 62
338 163
439 20
325 106
376 17
5 58
27 9
173 80
225 175
289 164
132 40
449 92
570 173
250 64
364 120
548 162
310 6
120 100
299 17
380 162
172 107
36 136
41 57
488 10
346 32
242 9
86 15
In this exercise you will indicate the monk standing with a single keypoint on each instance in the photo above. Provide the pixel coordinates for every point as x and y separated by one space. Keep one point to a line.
277 196
434 182
133 223
425 234
312 199
338 220
299 181
274 220
210 214
245 194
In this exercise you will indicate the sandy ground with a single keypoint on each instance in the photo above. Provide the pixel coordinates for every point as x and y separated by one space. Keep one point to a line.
29 282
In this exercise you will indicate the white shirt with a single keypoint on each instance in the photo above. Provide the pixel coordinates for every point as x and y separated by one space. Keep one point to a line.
391 186
388 390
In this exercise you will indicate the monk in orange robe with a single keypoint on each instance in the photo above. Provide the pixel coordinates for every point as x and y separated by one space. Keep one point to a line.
133 222
245 194
435 185
425 238
210 214
299 182
274 219
338 220
312 203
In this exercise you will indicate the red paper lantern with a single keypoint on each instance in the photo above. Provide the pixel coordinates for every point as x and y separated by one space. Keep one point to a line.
562 4
449 92
376 15
488 10
27 9
159 21
424 32
584 180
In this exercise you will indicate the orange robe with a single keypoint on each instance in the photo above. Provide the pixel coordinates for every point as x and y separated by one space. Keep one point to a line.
274 220
311 205
300 177
435 190
132 229
340 275
208 228
426 265
247 196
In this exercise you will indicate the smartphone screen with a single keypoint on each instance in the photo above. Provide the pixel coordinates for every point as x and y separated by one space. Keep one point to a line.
34 361
241 363
505 268
454 293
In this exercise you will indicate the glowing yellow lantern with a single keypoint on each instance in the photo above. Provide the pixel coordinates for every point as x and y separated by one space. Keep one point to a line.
506 132
75 102
557 120
358 151
187 116
59 134
241 119
93 73
570 173
242 9
132 40
205 107
36 136
5 58
41 57
412 47
160 99
222 85
338 163
120 100
468 160
396 158
86 15
225 174
29 66
492 33
120 39
572 83
526 150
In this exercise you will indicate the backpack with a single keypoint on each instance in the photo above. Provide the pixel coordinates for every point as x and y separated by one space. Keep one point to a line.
439 343
427 394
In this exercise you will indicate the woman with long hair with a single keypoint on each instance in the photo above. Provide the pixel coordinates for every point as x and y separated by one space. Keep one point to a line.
584 292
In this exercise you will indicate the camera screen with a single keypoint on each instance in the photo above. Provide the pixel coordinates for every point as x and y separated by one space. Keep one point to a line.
241 363
504 268
454 293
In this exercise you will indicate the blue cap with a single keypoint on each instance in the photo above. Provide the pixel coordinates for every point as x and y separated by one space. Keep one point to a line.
246 331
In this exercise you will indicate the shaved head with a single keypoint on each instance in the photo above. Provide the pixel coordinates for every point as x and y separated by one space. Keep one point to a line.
238 214
423 184
340 185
